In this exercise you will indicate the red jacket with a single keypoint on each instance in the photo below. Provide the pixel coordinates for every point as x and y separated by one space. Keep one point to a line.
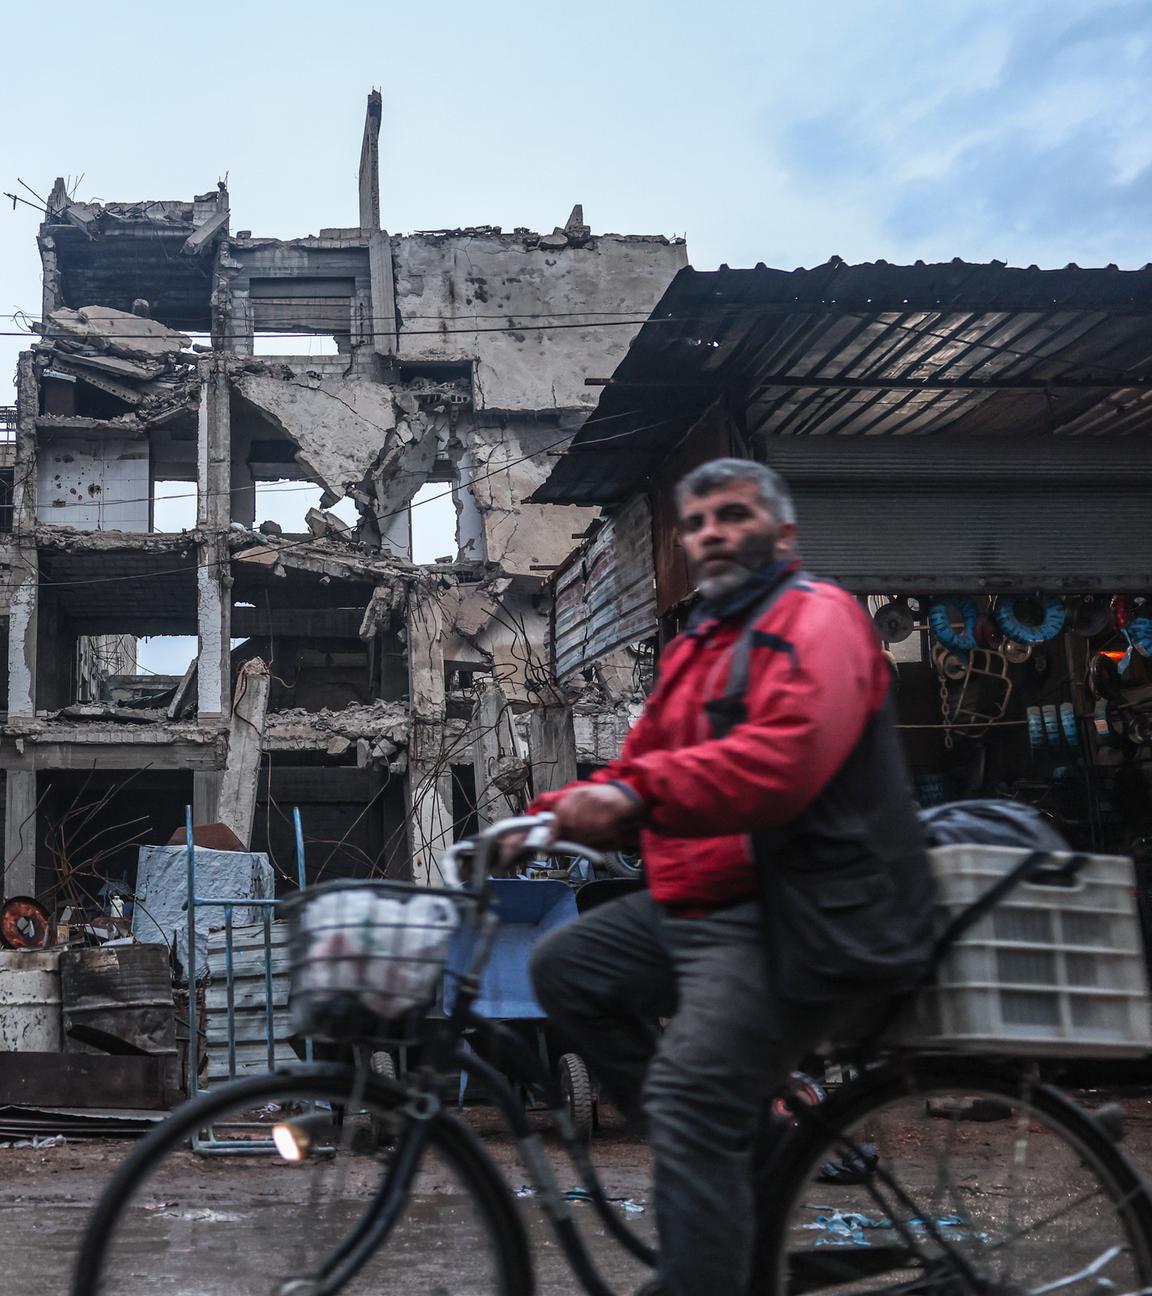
816 674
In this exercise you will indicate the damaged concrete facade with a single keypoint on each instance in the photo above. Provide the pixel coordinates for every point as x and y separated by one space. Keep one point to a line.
400 699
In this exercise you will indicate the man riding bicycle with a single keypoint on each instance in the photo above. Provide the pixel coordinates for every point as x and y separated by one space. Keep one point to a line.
788 890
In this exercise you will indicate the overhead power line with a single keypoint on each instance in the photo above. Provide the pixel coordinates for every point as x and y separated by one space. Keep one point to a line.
311 540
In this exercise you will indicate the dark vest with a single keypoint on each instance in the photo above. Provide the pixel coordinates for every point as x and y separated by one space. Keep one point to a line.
846 887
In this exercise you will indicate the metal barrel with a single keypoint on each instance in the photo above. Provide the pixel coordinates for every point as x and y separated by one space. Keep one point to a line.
118 1000
30 1020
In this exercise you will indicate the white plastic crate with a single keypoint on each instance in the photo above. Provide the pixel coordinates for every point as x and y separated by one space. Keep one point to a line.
1051 970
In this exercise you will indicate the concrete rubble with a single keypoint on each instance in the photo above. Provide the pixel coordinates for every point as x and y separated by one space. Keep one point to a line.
395 700
138 362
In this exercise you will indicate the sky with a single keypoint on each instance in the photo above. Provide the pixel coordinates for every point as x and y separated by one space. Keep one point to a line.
760 131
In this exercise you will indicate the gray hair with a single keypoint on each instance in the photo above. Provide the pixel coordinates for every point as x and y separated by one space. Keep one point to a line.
715 473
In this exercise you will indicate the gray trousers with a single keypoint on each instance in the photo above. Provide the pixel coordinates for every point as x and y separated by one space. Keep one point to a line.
702 1084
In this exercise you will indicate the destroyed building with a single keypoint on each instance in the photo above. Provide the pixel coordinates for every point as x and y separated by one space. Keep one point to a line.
392 701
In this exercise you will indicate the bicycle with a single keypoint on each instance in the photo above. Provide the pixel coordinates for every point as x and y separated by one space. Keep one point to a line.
915 1179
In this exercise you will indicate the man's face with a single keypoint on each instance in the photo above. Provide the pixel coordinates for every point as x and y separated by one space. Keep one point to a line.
729 535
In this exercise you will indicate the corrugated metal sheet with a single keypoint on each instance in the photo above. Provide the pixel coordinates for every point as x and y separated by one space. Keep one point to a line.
973 513
1074 342
606 594
250 997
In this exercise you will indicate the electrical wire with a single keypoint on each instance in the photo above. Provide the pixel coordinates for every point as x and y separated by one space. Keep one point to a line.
311 540
406 332
701 319
301 486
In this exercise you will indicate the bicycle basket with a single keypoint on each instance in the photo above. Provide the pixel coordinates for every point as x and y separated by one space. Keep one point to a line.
365 954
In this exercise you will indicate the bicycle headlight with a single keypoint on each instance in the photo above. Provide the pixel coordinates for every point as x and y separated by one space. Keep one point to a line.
295 1139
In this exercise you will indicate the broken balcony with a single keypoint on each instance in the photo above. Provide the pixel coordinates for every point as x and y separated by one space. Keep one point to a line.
119 253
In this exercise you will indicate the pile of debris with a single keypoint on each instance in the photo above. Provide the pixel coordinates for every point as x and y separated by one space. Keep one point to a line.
137 360
378 730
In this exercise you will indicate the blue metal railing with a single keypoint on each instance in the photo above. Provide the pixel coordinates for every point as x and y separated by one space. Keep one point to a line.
208 1141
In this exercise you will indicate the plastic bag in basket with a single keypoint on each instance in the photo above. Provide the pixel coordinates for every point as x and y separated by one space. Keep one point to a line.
388 953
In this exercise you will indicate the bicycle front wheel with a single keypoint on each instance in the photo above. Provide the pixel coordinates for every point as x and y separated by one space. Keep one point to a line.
942 1176
384 1200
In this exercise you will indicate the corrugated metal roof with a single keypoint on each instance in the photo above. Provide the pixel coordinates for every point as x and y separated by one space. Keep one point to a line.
869 350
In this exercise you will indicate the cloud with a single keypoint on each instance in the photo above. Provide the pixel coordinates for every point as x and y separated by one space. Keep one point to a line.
1033 141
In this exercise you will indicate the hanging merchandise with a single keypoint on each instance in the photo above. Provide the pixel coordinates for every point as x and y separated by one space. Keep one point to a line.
894 621
1089 615
1016 653
1108 720
1134 623
982 699
941 618
988 634
1103 677
1138 632
1033 630
1069 726
952 666
1051 724
1123 610
1139 728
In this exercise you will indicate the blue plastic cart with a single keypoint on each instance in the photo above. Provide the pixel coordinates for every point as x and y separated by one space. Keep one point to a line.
527 911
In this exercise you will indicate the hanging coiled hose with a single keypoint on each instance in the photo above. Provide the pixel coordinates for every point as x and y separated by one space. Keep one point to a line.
940 618
1050 625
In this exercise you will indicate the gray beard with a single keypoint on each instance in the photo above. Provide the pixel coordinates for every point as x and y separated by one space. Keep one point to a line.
751 559
720 586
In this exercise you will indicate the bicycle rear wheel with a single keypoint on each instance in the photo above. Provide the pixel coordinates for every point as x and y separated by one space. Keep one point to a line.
386 1202
941 1176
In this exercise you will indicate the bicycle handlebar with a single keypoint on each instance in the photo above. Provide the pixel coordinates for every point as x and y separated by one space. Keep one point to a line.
537 831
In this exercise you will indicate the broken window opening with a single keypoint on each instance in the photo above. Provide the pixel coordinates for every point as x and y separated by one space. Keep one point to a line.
7 479
66 396
108 671
316 308
433 523
295 344
465 819
92 825
166 655
286 504
173 506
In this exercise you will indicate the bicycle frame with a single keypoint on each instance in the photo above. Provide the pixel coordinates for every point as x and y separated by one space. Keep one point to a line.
427 1102
466 1040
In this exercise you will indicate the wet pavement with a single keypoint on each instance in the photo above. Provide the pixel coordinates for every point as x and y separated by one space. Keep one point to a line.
228 1227
429 1255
